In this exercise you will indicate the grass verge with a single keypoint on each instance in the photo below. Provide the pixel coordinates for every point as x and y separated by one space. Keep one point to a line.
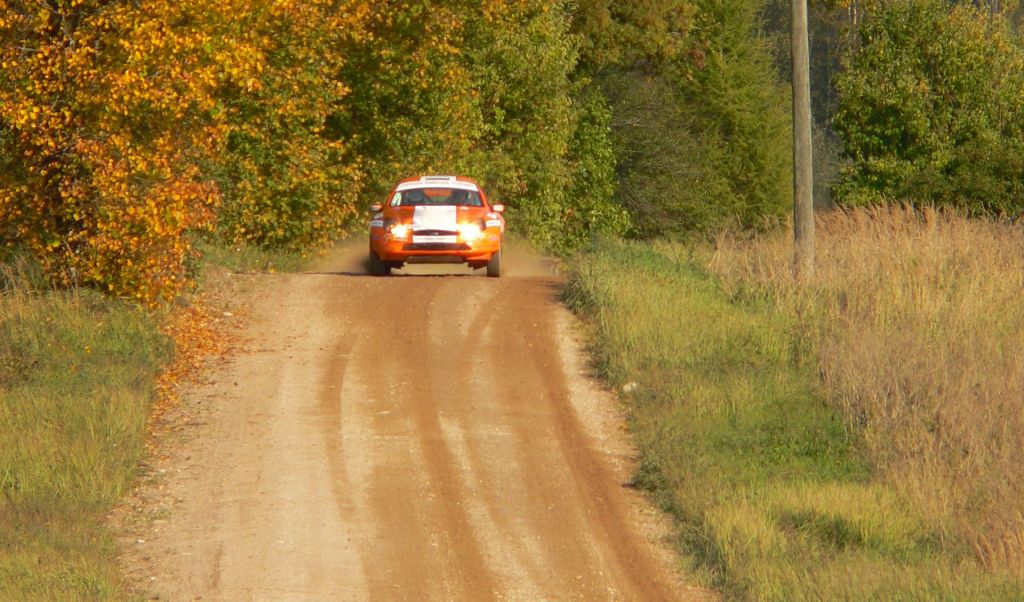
918 319
773 489
77 372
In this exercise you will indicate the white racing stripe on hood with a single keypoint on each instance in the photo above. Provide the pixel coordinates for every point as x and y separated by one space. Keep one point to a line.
442 217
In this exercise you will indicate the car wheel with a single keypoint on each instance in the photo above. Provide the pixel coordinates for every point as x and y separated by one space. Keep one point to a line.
494 265
376 266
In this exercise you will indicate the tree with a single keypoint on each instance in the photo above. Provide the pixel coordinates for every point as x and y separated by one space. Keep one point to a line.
931 108
412 105
486 89
700 122
632 34
537 121
287 176
104 109
742 113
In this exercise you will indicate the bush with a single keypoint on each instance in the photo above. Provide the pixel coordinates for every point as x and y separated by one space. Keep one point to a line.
741 115
664 178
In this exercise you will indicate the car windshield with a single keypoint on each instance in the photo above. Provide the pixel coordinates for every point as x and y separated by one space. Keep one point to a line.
437 196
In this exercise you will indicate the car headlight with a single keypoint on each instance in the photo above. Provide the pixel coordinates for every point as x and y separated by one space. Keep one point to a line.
401 231
470 232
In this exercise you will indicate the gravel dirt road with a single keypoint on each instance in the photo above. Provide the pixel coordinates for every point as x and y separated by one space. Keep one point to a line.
418 437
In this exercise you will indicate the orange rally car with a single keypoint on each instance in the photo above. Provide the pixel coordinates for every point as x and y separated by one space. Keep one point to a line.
436 219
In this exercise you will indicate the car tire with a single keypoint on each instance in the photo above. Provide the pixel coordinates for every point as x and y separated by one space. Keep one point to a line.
494 265
376 267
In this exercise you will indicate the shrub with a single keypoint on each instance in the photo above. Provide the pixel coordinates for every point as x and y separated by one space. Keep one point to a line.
741 115
700 122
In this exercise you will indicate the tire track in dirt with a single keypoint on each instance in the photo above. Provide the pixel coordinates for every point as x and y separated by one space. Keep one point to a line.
405 438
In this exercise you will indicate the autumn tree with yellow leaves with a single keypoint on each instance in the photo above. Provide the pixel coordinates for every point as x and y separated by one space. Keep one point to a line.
105 119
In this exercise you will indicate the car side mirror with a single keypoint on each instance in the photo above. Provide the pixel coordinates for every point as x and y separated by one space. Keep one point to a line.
376 207
498 208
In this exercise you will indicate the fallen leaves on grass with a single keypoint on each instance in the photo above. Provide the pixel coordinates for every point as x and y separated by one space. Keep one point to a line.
200 333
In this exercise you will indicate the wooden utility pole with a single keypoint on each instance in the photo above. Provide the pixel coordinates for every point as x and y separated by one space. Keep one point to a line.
803 174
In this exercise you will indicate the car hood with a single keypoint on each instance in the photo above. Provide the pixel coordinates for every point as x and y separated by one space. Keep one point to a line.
437 217
444 217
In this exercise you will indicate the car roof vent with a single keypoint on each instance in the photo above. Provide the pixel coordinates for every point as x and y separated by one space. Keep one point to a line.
438 179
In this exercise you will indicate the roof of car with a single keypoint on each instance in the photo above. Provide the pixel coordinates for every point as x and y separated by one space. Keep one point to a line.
456 182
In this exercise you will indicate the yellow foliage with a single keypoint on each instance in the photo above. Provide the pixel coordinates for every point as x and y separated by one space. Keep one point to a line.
103 106
111 113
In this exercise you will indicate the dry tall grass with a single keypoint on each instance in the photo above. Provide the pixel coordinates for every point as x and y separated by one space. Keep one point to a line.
917 322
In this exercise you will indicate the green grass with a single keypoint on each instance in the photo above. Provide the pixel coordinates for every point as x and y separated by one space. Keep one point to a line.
247 258
770 488
76 381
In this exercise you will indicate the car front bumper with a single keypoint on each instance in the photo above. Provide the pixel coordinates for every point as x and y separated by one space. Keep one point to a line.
393 250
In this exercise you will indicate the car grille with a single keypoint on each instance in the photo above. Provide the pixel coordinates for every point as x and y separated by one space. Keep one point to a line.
437 246
434 233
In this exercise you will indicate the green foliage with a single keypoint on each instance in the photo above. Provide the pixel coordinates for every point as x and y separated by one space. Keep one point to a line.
931 109
551 131
591 160
487 90
742 114
664 179
700 122
522 61
285 178
772 497
411 106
